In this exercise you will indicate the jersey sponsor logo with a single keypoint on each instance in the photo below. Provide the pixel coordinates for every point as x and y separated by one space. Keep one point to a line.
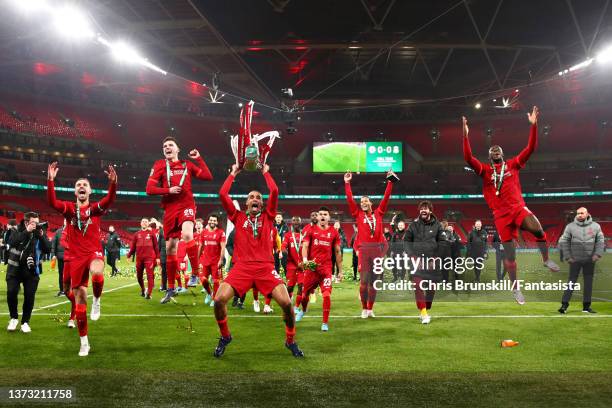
322 243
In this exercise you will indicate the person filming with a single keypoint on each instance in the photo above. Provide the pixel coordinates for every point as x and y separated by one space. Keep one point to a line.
27 245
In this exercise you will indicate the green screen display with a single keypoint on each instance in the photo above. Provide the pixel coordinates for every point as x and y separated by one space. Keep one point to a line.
364 157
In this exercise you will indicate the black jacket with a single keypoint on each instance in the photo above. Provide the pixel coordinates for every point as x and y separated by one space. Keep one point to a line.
113 243
24 244
455 244
423 237
57 249
477 243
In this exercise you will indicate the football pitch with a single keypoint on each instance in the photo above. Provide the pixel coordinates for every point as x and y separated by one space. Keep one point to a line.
339 157
147 354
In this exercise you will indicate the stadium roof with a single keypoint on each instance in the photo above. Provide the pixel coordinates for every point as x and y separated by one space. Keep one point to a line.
334 54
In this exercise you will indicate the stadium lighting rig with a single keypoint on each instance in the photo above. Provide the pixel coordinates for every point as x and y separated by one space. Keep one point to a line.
603 57
73 23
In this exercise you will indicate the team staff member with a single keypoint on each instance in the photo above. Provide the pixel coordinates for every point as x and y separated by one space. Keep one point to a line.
583 245
424 235
477 245
57 251
113 250
27 245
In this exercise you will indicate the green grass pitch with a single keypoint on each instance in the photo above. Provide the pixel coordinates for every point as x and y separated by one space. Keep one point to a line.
339 157
147 354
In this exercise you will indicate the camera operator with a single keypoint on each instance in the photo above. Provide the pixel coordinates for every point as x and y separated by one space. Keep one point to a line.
27 245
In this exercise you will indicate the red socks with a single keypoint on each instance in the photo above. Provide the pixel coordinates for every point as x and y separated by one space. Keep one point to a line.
191 248
363 294
289 334
97 282
70 296
326 308
205 284
223 327
510 267
140 278
268 300
255 294
305 299
298 300
81 316
171 265
150 281
371 297
543 247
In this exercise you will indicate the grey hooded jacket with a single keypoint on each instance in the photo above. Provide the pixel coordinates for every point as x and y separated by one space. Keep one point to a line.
581 240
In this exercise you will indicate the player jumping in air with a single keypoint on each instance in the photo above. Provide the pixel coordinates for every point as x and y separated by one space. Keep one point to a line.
83 252
370 242
146 251
212 248
502 192
253 260
291 248
320 243
171 178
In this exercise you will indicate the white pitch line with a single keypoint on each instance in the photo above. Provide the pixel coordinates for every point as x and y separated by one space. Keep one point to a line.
603 299
67 301
578 316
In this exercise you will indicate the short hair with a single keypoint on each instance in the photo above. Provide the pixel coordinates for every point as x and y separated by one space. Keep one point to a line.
478 221
83 178
170 139
12 222
30 214
213 215
425 203
323 208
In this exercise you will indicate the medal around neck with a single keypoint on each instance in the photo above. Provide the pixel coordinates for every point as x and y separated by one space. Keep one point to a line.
251 151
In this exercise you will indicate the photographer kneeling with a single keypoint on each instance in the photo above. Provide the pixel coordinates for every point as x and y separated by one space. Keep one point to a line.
27 245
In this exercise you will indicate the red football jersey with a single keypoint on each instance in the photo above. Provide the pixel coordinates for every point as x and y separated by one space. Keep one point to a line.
211 245
321 245
144 245
85 241
248 247
369 227
158 181
510 193
292 244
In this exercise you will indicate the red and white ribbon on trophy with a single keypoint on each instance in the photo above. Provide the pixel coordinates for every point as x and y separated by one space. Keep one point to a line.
249 152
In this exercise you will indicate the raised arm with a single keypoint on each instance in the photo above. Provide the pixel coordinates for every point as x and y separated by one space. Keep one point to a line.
108 200
532 143
272 204
200 171
382 207
353 209
58 205
469 158
226 201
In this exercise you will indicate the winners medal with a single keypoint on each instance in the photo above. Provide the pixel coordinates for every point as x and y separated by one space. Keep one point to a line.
250 154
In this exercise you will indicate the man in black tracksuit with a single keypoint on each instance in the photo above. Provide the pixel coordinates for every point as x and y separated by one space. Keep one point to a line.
27 246
113 250
57 251
499 256
477 246
424 235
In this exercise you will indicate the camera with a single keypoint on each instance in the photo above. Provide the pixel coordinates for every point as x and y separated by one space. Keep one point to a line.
42 225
